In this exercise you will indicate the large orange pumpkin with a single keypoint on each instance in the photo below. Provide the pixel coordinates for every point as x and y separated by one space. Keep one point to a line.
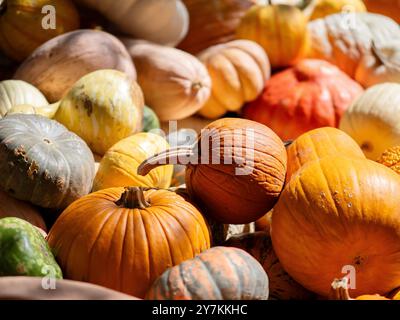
338 214
235 172
319 143
212 22
281 285
280 29
312 94
124 239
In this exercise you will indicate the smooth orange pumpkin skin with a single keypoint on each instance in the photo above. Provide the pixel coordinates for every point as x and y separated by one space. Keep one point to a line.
319 143
264 223
281 285
336 212
371 297
395 295
97 241
11 207
391 159
280 29
21 30
239 199
312 94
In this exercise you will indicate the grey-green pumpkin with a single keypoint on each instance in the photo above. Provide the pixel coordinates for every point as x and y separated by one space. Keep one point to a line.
150 120
42 162
24 251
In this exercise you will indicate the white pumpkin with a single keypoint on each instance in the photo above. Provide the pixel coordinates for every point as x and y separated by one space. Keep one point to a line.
18 92
347 39
373 120
161 21
381 65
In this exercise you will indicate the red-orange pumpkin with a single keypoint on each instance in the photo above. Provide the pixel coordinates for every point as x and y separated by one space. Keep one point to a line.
124 239
312 94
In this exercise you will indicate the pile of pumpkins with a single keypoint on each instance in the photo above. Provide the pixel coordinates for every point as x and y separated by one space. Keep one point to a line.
101 188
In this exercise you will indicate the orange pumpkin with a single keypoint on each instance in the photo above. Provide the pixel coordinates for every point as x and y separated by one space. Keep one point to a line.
312 94
239 70
395 295
391 159
23 25
280 29
264 223
337 213
235 172
319 143
281 285
11 207
124 239
212 22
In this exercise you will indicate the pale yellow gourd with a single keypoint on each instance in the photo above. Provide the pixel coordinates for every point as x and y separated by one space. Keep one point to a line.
17 92
373 120
119 165
103 107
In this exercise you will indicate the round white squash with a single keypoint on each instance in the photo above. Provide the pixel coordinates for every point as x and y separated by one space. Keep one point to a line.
373 120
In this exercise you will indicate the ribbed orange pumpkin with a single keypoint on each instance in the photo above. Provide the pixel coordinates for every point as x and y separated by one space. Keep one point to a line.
22 21
339 212
219 273
212 22
235 172
10 207
280 29
124 239
319 143
281 285
312 94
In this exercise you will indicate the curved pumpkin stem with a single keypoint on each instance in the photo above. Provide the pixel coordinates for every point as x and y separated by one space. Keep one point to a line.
170 156
340 290
133 198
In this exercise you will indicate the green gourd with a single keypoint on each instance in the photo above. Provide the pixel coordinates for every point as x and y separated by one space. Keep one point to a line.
24 251
150 120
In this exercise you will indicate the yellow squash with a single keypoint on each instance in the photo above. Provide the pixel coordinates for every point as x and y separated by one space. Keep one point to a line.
119 165
280 29
103 108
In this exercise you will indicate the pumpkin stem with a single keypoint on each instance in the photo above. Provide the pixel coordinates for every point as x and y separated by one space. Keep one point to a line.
340 289
132 198
171 156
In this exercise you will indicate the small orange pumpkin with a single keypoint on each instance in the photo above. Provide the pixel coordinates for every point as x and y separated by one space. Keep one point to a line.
340 291
123 239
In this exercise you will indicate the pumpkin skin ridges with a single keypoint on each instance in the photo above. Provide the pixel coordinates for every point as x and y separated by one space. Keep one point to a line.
152 239
201 278
324 208
30 175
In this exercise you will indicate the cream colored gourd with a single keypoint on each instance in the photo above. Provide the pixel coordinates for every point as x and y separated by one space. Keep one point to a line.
16 92
239 70
373 121
103 107
175 84
381 65
161 21
346 39
56 65
118 167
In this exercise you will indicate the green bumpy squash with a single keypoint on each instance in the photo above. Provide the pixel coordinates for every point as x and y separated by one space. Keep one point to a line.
150 120
24 251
